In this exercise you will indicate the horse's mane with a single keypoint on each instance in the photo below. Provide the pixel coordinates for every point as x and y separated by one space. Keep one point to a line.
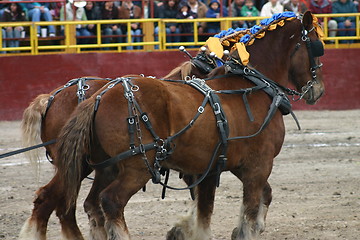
183 69
248 36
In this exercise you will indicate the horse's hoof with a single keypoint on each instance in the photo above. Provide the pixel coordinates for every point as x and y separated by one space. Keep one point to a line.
175 234
235 233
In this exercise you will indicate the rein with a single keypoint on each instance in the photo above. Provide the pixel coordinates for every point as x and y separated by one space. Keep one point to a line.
8 154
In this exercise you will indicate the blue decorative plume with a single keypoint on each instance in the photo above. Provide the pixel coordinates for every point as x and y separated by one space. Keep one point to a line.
255 29
276 16
245 38
220 34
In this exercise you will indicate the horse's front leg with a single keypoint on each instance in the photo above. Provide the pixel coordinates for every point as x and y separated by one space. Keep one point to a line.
196 226
256 200
115 197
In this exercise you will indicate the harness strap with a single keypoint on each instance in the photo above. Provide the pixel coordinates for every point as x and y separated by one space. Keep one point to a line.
125 155
131 129
8 154
145 118
110 85
272 109
223 128
191 123
265 84
244 93
81 96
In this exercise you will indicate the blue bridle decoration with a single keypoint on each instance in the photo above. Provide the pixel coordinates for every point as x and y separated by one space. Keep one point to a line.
255 28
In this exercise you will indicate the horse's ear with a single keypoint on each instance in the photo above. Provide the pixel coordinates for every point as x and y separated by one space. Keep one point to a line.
307 20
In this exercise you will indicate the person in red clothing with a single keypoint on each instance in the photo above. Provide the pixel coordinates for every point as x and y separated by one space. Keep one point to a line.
306 2
295 6
324 6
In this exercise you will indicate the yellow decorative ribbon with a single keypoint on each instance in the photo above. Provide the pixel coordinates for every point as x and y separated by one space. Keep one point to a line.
243 53
318 29
215 46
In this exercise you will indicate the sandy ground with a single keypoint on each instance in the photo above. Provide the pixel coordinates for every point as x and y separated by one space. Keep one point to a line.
315 181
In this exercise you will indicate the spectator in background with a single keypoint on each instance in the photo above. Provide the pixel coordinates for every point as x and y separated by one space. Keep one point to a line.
151 9
186 28
38 11
12 13
214 12
270 8
236 7
283 2
169 10
200 9
249 10
295 6
55 9
346 23
80 15
324 6
260 3
129 10
93 12
306 2
108 12
2 8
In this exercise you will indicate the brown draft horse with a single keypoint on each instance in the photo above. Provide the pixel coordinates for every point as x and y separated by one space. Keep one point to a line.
41 120
171 108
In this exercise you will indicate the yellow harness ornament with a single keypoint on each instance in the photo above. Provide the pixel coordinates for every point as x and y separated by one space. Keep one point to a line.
243 53
215 46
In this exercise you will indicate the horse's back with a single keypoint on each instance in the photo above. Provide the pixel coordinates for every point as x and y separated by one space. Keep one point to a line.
62 106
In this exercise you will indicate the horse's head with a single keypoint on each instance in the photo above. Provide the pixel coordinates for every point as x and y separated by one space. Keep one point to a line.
199 66
305 66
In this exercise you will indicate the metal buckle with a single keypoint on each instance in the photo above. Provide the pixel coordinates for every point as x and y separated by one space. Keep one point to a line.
145 118
201 109
217 109
142 148
131 121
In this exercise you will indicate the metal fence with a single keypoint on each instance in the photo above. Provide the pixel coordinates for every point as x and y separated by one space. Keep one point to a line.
33 44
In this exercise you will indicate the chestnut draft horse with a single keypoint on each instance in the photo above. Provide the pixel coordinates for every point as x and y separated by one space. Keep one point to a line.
178 122
41 120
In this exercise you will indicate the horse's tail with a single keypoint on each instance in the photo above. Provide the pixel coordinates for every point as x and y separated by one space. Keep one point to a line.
31 126
180 72
73 149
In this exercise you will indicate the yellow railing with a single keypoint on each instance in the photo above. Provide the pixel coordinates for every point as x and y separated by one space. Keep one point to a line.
32 44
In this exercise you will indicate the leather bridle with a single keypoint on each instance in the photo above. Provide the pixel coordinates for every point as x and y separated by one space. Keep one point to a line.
314 49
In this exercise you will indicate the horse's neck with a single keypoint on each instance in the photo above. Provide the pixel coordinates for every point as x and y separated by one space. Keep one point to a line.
179 72
271 54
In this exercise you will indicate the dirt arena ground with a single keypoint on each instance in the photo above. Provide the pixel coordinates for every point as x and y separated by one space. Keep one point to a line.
315 181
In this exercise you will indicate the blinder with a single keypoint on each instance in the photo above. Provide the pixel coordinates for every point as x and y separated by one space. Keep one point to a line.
317 48
204 63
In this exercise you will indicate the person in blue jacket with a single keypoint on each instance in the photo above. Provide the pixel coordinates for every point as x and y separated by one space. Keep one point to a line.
38 11
214 12
345 6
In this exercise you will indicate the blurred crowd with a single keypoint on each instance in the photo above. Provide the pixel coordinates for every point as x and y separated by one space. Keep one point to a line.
18 11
